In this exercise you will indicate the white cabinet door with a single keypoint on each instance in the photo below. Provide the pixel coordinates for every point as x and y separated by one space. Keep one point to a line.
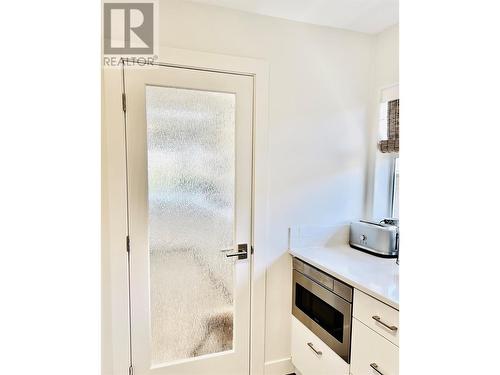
311 356
372 354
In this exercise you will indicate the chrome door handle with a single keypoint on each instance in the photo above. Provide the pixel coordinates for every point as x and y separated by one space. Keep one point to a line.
378 320
375 367
242 252
238 254
318 352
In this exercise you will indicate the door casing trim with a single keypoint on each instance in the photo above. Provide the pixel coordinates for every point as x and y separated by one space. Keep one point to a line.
116 207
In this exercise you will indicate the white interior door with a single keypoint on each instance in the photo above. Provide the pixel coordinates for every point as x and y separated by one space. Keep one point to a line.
189 151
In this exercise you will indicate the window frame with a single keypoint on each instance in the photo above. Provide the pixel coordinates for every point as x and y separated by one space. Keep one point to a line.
394 175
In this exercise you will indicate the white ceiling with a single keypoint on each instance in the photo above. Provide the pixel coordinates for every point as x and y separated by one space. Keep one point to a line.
368 16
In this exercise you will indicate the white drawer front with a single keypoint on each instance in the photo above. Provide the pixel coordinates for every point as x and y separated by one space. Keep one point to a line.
369 350
367 309
307 361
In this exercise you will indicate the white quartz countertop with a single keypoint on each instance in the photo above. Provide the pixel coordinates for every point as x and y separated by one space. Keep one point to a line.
378 277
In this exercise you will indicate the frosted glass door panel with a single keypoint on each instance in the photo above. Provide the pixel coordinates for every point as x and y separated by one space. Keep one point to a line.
191 196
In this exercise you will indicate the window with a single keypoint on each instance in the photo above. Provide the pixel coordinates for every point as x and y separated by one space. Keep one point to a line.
395 189
386 166
386 178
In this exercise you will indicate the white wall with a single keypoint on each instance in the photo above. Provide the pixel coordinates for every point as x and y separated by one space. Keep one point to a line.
106 340
386 74
321 103
387 57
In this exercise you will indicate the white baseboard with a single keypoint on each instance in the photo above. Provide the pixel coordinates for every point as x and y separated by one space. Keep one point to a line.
279 367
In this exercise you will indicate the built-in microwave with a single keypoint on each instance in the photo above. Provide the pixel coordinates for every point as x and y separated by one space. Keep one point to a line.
324 305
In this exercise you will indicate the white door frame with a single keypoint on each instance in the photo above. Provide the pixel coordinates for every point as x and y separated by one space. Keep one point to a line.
115 200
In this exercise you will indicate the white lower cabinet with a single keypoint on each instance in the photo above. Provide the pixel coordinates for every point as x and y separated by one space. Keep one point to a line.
371 353
311 356
380 317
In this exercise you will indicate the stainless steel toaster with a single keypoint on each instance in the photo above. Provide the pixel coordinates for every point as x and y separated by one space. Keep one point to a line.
376 238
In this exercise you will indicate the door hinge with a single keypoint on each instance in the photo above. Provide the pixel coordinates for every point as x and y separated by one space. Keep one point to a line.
131 370
124 102
128 244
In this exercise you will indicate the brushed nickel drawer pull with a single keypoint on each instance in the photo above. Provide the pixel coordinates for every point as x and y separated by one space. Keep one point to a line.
318 352
375 367
377 318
